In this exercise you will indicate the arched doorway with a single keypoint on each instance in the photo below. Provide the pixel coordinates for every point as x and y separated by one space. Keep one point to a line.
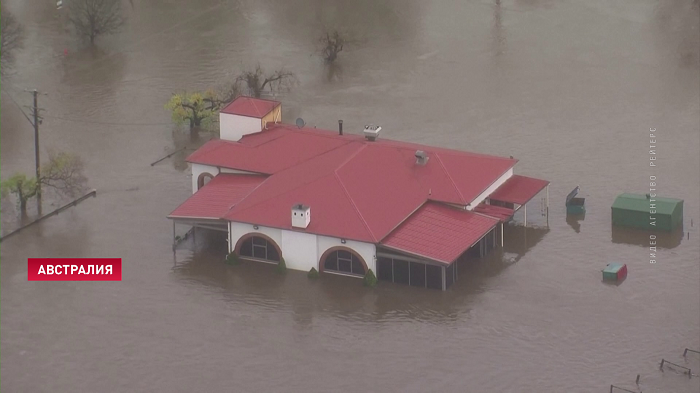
342 260
203 179
258 247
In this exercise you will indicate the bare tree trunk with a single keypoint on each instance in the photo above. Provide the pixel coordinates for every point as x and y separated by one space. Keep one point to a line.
194 134
23 207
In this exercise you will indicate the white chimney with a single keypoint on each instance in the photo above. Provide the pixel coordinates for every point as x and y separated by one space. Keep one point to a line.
301 216
372 132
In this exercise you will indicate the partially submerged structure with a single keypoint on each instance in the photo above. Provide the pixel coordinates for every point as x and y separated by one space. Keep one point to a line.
347 203
647 212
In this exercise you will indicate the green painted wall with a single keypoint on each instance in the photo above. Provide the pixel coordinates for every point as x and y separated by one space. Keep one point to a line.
633 210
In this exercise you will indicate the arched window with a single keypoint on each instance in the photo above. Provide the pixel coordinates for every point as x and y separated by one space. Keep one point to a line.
259 248
203 179
344 261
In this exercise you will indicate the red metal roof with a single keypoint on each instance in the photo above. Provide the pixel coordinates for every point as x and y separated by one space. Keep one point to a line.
356 189
218 196
500 213
519 189
439 232
251 107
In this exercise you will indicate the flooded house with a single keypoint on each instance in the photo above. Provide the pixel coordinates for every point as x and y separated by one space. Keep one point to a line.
347 203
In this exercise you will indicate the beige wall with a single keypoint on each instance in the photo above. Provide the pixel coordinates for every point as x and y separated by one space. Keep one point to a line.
272 117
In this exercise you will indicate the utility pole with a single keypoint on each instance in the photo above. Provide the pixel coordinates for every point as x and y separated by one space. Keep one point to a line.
37 120
36 151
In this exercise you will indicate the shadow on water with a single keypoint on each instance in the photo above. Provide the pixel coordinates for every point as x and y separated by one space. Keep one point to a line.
497 31
621 235
334 72
185 144
677 34
519 240
365 19
344 297
574 221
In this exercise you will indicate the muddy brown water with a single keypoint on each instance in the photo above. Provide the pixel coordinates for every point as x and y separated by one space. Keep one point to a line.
569 88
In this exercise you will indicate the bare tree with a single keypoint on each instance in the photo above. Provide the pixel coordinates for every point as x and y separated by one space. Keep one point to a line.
255 81
12 37
94 18
331 45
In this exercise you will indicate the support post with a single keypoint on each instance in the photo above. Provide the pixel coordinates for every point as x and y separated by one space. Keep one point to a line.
444 280
525 207
425 267
547 205
501 235
36 150
392 270
174 241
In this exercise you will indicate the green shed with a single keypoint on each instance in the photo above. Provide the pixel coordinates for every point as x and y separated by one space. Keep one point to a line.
645 212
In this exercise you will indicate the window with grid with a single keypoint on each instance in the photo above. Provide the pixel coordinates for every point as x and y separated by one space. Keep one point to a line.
259 248
343 261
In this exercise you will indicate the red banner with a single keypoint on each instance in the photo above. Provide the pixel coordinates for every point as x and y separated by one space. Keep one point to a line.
74 269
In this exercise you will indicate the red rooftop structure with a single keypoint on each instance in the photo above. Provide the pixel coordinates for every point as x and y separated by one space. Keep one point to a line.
402 210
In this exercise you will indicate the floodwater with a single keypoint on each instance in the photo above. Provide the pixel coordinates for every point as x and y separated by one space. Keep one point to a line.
571 88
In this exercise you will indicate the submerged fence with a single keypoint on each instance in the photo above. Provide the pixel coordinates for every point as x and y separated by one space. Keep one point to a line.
92 193
664 361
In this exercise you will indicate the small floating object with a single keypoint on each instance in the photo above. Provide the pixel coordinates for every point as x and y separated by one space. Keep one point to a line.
575 205
614 272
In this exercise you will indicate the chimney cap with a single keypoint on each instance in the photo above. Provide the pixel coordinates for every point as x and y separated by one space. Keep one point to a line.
300 206
372 132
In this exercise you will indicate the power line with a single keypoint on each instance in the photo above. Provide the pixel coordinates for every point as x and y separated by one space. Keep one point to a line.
106 123
20 108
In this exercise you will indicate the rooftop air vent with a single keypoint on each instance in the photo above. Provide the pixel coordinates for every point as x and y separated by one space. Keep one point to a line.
301 216
372 132
421 157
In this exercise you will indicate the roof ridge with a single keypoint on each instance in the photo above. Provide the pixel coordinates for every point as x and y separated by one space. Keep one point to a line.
404 220
353 155
291 167
248 194
447 173
354 206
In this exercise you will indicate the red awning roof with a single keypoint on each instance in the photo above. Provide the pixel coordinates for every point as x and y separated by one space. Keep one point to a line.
250 107
518 189
439 232
217 197
500 213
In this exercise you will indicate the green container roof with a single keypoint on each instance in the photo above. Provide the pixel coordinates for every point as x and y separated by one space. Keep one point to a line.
640 203
613 267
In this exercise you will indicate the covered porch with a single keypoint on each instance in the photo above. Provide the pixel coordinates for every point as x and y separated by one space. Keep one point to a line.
207 207
424 250
512 196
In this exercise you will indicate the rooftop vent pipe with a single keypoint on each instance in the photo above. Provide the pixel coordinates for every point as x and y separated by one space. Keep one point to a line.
421 157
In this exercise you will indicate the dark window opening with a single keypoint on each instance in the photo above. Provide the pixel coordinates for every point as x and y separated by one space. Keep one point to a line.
434 276
417 274
259 248
384 269
401 272
344 261
449 276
